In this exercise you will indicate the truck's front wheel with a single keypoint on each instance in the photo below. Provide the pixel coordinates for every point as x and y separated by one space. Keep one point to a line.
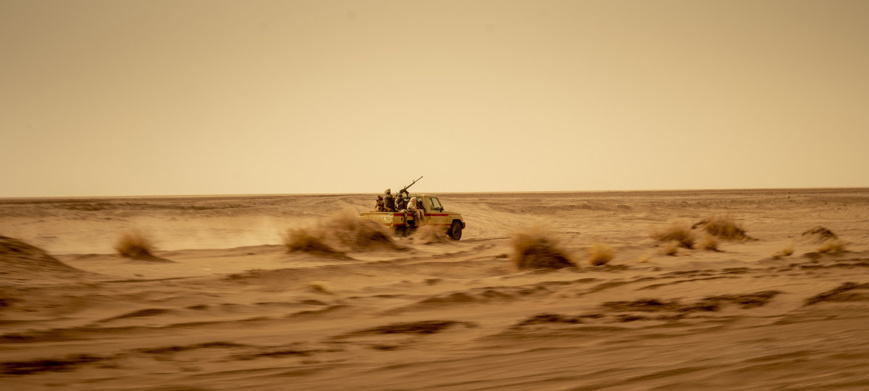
455 231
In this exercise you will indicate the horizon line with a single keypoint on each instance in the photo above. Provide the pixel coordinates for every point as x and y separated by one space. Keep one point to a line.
81 197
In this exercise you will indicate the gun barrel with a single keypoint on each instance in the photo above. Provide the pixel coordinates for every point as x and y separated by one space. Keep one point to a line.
411 183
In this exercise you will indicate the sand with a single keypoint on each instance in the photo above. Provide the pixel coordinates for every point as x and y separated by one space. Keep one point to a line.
223 306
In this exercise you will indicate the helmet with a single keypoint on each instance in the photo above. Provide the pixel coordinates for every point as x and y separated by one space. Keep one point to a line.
387 191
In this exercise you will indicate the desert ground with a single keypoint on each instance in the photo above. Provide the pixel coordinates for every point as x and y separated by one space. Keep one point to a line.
222 304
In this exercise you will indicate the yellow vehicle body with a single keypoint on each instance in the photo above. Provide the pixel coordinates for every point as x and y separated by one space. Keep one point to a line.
402 222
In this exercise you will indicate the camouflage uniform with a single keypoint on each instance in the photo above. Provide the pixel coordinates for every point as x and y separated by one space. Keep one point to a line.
379 206
401 200
388 202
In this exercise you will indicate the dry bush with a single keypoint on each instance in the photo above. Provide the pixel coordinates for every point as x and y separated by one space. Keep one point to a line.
676 232
832 246
349 230
600 254
307 240
723 227
430 234
709 243
646 257
538 248
134 245
343 231
671 248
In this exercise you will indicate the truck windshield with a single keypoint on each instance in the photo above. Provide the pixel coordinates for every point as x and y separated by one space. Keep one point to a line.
435 204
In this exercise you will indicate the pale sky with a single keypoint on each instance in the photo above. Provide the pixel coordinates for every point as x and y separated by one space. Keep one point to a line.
181 97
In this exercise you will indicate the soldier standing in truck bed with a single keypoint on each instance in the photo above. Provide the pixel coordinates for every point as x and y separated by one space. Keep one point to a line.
401 200
388 202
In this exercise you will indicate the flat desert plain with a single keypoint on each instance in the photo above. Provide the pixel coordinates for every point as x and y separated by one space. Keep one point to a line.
221 304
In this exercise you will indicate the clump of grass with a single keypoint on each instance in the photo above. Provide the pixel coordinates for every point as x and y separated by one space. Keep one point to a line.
344 231
135 245
723 227
709 243
832 246
676 232
671 248
538 248
600 254
306 240
646 257
349 230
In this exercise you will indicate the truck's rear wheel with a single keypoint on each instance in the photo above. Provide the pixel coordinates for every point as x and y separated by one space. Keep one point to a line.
455 231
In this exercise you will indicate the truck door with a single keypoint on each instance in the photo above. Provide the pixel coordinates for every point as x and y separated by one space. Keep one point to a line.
435 210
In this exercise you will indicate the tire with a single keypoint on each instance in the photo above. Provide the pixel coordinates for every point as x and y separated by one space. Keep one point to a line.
455 232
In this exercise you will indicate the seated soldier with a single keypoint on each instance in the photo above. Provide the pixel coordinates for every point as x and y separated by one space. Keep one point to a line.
418 213
379 206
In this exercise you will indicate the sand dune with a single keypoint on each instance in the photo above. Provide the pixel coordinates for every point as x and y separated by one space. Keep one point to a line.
24 264
783 308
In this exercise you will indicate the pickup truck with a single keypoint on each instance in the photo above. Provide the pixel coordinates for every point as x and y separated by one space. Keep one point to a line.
402 223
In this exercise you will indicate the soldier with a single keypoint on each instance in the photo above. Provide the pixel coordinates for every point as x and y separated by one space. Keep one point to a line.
417 212
379 206
388 202
401 200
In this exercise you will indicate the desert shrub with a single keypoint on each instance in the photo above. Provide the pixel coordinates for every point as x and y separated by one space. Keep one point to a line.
343 231
671 248
723 227
600 254
645 257
347 229
134 245
306 240
832 246
676 232
709 243
538 248
430 234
